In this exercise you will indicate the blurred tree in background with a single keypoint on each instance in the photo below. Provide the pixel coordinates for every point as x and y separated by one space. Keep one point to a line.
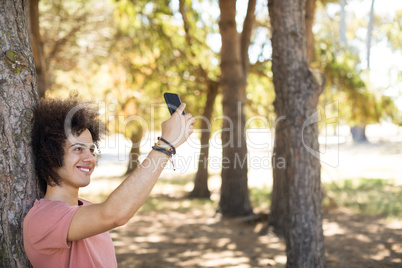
234 199
37 48
346 80
74 40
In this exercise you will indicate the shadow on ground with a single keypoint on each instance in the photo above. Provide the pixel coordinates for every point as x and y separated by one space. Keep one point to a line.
198 238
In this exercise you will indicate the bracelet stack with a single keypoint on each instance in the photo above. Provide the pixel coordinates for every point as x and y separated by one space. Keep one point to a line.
167 149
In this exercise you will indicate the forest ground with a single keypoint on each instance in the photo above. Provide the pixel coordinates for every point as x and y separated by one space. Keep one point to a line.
362 216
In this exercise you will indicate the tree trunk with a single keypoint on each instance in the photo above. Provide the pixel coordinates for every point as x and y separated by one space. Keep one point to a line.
369 33
296 139
359 134
201 177
18 186
342 28
277 217
37 48
234 200
134 157
310 12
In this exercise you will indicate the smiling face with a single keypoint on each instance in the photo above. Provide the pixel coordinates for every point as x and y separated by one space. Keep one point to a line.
79 161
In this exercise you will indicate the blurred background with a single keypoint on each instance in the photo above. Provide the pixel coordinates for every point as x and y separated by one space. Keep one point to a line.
124 55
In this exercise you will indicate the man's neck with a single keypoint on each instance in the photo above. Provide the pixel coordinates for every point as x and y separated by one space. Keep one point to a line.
69 196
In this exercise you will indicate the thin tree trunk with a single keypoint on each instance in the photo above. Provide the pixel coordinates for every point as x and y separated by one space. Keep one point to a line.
18 186
201 178
37 48
134 156
342 28
296 140
234 200
369 33
310 12
277 215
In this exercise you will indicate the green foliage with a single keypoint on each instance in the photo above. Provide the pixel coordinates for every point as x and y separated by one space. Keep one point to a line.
390 29
361 108
127 53
260 96
130 52
359 105
158 56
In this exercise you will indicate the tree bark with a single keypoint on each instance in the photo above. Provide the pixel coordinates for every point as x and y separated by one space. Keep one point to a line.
296 136
234 199
18 186
278 200
277 217
37 48
201 189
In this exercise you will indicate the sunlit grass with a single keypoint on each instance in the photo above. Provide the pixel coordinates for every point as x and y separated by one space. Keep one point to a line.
374 197
260 198
370 197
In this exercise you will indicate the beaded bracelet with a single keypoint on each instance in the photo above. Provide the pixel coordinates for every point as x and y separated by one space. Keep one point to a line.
168 143
166 147
162 149
166 150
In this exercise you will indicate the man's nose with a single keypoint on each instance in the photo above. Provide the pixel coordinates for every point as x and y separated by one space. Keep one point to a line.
88 155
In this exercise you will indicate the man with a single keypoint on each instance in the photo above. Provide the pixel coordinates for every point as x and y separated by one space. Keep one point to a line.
62 230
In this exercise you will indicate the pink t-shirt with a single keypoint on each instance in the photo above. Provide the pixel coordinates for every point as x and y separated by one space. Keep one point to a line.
45 239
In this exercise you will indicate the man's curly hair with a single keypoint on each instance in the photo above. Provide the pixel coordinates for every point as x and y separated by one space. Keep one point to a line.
49 133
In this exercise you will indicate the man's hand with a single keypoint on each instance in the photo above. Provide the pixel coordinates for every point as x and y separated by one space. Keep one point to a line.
178 127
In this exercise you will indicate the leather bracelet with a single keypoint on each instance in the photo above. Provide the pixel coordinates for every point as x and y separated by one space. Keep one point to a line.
168 143
167 152
163 150
166 147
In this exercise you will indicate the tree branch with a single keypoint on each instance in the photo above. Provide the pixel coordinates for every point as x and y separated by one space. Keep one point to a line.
62 41
246 35
188 36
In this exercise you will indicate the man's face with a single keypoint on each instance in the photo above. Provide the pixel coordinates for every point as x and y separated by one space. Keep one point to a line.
79 160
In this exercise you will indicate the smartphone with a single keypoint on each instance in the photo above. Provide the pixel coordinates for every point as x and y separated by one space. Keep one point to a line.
173 101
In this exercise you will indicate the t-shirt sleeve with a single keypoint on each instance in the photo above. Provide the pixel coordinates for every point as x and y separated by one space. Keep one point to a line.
48 226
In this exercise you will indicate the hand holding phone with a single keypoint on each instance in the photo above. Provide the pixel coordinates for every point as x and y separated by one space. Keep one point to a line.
179 126
173 101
